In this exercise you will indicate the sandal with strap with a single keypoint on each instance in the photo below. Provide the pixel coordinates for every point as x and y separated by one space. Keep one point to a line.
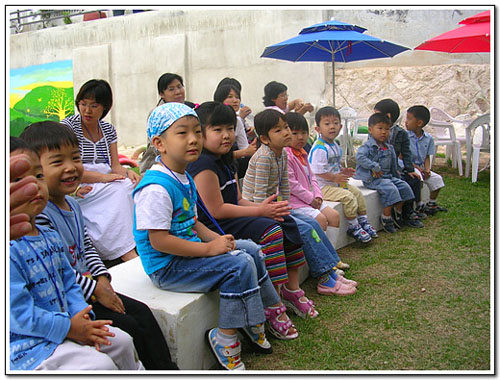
291 298
280 329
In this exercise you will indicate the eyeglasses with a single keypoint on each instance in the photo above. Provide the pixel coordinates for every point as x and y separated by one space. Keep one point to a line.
173 88
92 106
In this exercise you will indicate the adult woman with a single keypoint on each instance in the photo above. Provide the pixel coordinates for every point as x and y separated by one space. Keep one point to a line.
171 89
105 195
276 97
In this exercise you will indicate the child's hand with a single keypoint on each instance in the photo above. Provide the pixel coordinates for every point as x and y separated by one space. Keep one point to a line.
348 171
107 297
221 244
133 176
85 331
316 203
414 175
274 210
83 190
341 178
251 149
245 111
377 174
426 174
110 177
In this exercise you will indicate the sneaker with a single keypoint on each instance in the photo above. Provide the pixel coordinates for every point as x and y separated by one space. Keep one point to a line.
397 220
419 211
339 272
257 338
412 220
342 265
227 356
388 225
368 228
358 233
435 207
340 289
345 281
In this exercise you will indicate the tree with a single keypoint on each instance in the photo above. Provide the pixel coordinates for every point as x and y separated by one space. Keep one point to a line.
60 104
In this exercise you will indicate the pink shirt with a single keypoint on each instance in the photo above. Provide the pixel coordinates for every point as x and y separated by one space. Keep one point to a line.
303 187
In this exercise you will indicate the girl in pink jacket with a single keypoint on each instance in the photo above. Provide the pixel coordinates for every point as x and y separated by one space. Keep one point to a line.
305 194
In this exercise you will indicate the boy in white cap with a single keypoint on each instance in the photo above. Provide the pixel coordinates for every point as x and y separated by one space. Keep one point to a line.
180 254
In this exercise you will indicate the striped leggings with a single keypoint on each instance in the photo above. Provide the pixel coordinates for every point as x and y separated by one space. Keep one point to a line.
280 254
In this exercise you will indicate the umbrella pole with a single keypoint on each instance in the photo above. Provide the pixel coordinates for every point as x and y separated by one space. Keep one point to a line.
333 80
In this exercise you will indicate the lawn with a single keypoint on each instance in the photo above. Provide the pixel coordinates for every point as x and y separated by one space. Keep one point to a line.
423 302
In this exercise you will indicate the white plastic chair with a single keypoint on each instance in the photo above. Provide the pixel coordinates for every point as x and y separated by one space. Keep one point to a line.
444 134
476 142
357 123
348 115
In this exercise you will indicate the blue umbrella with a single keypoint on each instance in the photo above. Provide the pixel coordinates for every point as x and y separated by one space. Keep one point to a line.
332 41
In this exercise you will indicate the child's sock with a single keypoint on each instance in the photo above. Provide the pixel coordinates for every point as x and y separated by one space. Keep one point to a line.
327 280
420 204
386 217
224 339
362 219
353 223
432 201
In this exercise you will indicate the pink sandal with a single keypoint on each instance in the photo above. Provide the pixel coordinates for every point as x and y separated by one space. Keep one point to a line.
280 329
291 298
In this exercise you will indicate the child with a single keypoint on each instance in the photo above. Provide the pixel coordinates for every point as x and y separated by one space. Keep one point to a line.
57 146
50 322
422 146
230 95
324 158
376 166
180 254
267 175
399 139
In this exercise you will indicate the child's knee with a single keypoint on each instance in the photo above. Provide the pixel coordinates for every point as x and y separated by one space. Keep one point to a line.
322 220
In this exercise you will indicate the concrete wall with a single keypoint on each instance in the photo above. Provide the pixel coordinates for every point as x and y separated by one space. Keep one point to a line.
205 45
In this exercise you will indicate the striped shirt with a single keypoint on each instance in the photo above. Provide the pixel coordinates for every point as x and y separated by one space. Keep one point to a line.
93 153
93 261
266 175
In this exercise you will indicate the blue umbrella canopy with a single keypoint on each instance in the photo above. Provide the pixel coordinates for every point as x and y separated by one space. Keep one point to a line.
332 41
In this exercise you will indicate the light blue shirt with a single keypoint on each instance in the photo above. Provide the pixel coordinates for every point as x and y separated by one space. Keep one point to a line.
421 147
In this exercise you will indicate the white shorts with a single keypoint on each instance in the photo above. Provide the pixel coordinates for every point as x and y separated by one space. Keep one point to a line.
434 182
311 211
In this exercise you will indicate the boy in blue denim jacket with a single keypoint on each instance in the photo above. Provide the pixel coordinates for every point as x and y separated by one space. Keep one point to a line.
377 167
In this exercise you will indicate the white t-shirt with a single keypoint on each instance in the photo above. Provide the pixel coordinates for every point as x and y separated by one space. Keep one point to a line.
153 206
322 163
240 134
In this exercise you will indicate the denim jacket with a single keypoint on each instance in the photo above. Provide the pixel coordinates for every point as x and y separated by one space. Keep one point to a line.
368 159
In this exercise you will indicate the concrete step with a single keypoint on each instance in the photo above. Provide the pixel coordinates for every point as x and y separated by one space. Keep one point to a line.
184 317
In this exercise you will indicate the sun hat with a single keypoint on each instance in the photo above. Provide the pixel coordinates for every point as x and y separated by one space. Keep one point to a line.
163 116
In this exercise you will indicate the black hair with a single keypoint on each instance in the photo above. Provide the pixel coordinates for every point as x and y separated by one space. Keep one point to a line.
266 120
296 121
271 91
17 143
215 113
421 113
222 92
388 106
98 89
48 135
232 81
166 79
378 117
326 111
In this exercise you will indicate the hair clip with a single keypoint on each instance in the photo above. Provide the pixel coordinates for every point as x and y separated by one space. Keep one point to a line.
196 105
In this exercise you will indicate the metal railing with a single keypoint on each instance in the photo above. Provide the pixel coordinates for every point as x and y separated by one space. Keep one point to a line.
45 18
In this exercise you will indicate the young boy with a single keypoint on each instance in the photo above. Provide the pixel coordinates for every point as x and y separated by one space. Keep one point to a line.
267 174
399 139
422 146
50 322
324 157
57 146
376 166
181 254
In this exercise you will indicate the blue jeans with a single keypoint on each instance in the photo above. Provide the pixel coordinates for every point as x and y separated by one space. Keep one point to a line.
241 276
320 253
392 190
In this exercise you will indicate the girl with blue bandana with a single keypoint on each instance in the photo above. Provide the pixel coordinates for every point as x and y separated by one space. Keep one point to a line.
181 254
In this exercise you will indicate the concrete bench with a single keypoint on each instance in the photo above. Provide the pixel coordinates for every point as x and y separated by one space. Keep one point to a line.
184 317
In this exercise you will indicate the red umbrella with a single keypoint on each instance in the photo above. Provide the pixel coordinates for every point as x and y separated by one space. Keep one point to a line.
472 37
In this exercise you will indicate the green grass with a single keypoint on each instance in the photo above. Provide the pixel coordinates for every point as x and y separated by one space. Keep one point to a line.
423 301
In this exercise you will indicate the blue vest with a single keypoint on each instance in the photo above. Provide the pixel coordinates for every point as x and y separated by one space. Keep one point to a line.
183 218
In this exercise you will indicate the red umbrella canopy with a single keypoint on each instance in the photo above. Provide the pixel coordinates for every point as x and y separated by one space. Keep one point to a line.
472 37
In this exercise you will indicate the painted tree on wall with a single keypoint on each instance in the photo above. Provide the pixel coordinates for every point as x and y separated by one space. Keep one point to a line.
60 104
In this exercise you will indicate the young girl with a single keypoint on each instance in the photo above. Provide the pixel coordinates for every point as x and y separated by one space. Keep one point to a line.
180 254
230 95
267 175
268 223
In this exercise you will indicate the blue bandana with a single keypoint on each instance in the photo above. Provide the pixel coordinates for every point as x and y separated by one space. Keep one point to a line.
165 115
